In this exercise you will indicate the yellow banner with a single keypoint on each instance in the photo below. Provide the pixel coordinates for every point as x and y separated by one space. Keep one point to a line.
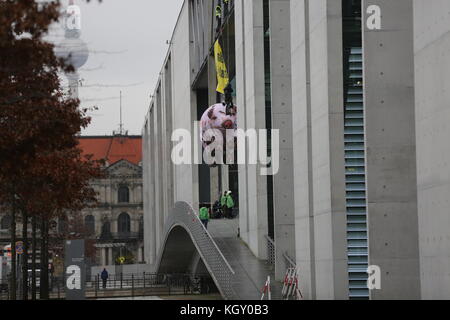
221 69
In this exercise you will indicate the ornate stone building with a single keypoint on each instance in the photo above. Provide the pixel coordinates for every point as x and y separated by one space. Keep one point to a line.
117 221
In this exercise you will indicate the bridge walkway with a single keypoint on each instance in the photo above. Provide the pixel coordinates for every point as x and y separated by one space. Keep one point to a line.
250 272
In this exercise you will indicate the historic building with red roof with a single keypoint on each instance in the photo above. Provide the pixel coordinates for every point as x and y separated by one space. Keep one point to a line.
117 221
113 148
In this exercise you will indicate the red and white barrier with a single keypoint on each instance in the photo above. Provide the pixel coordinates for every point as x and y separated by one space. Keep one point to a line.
266 290
291 290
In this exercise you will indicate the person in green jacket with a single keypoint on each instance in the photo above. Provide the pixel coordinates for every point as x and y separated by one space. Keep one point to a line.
204 216
223 203
229 203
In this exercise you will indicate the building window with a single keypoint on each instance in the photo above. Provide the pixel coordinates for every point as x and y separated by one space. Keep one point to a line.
124 223
6 222
89 224
106 230
141 228
124 194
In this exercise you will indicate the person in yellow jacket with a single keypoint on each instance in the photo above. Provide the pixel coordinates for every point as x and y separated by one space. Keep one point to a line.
204 216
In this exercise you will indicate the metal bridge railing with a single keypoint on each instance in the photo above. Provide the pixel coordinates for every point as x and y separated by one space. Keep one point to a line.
270 251
126 285
221 272
290 263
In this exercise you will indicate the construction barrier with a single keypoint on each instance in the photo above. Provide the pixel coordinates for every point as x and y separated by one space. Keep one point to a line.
291 289
266 290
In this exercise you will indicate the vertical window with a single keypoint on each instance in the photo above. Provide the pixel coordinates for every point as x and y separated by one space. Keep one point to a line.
124 194
124 223
268 113
89 223
5 223
106 230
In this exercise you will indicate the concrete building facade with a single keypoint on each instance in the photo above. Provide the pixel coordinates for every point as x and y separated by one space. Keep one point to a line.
432 71
356 91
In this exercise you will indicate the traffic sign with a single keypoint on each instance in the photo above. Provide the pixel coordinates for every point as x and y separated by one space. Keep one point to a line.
19 247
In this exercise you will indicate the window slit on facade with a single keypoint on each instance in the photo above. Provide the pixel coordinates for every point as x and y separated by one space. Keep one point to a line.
355 177
268 106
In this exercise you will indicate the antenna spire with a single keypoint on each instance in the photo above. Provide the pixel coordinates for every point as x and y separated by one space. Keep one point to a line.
121 123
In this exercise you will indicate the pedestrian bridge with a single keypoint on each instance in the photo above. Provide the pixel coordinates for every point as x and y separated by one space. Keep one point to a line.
188 247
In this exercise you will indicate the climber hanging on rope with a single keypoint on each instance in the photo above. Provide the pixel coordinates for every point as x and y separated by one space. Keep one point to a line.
226 4
219 17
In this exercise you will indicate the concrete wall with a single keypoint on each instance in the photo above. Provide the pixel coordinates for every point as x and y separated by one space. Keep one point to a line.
432 76
391 150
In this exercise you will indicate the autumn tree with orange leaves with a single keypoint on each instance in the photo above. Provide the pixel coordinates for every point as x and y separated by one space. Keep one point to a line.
42 172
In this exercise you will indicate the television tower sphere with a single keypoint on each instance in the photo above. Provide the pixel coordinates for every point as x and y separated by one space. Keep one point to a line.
74 50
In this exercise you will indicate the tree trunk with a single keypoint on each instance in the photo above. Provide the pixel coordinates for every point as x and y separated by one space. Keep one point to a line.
33 258
44 292
25 255
13 283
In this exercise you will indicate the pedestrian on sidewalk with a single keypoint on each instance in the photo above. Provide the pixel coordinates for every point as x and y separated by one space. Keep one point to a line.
104 277
204 216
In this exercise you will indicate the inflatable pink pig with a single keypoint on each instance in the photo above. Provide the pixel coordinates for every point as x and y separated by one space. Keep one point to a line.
215 117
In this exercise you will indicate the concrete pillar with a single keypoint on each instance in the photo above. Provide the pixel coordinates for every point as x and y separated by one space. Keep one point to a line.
151 215
432 95
108 193
110 256
165 159
145 185
302 149
391 149
139 254
169 130
103 256
215 188
212 99
283 184
250 98
318 151
157 158
225 178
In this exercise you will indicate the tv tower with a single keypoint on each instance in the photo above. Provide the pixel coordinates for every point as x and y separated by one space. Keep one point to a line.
72 48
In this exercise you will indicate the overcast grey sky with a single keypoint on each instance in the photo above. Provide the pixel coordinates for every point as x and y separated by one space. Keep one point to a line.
127 40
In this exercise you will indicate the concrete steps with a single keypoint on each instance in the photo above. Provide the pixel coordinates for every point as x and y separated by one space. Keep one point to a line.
250 272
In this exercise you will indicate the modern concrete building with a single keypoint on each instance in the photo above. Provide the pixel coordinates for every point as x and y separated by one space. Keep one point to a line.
356 90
